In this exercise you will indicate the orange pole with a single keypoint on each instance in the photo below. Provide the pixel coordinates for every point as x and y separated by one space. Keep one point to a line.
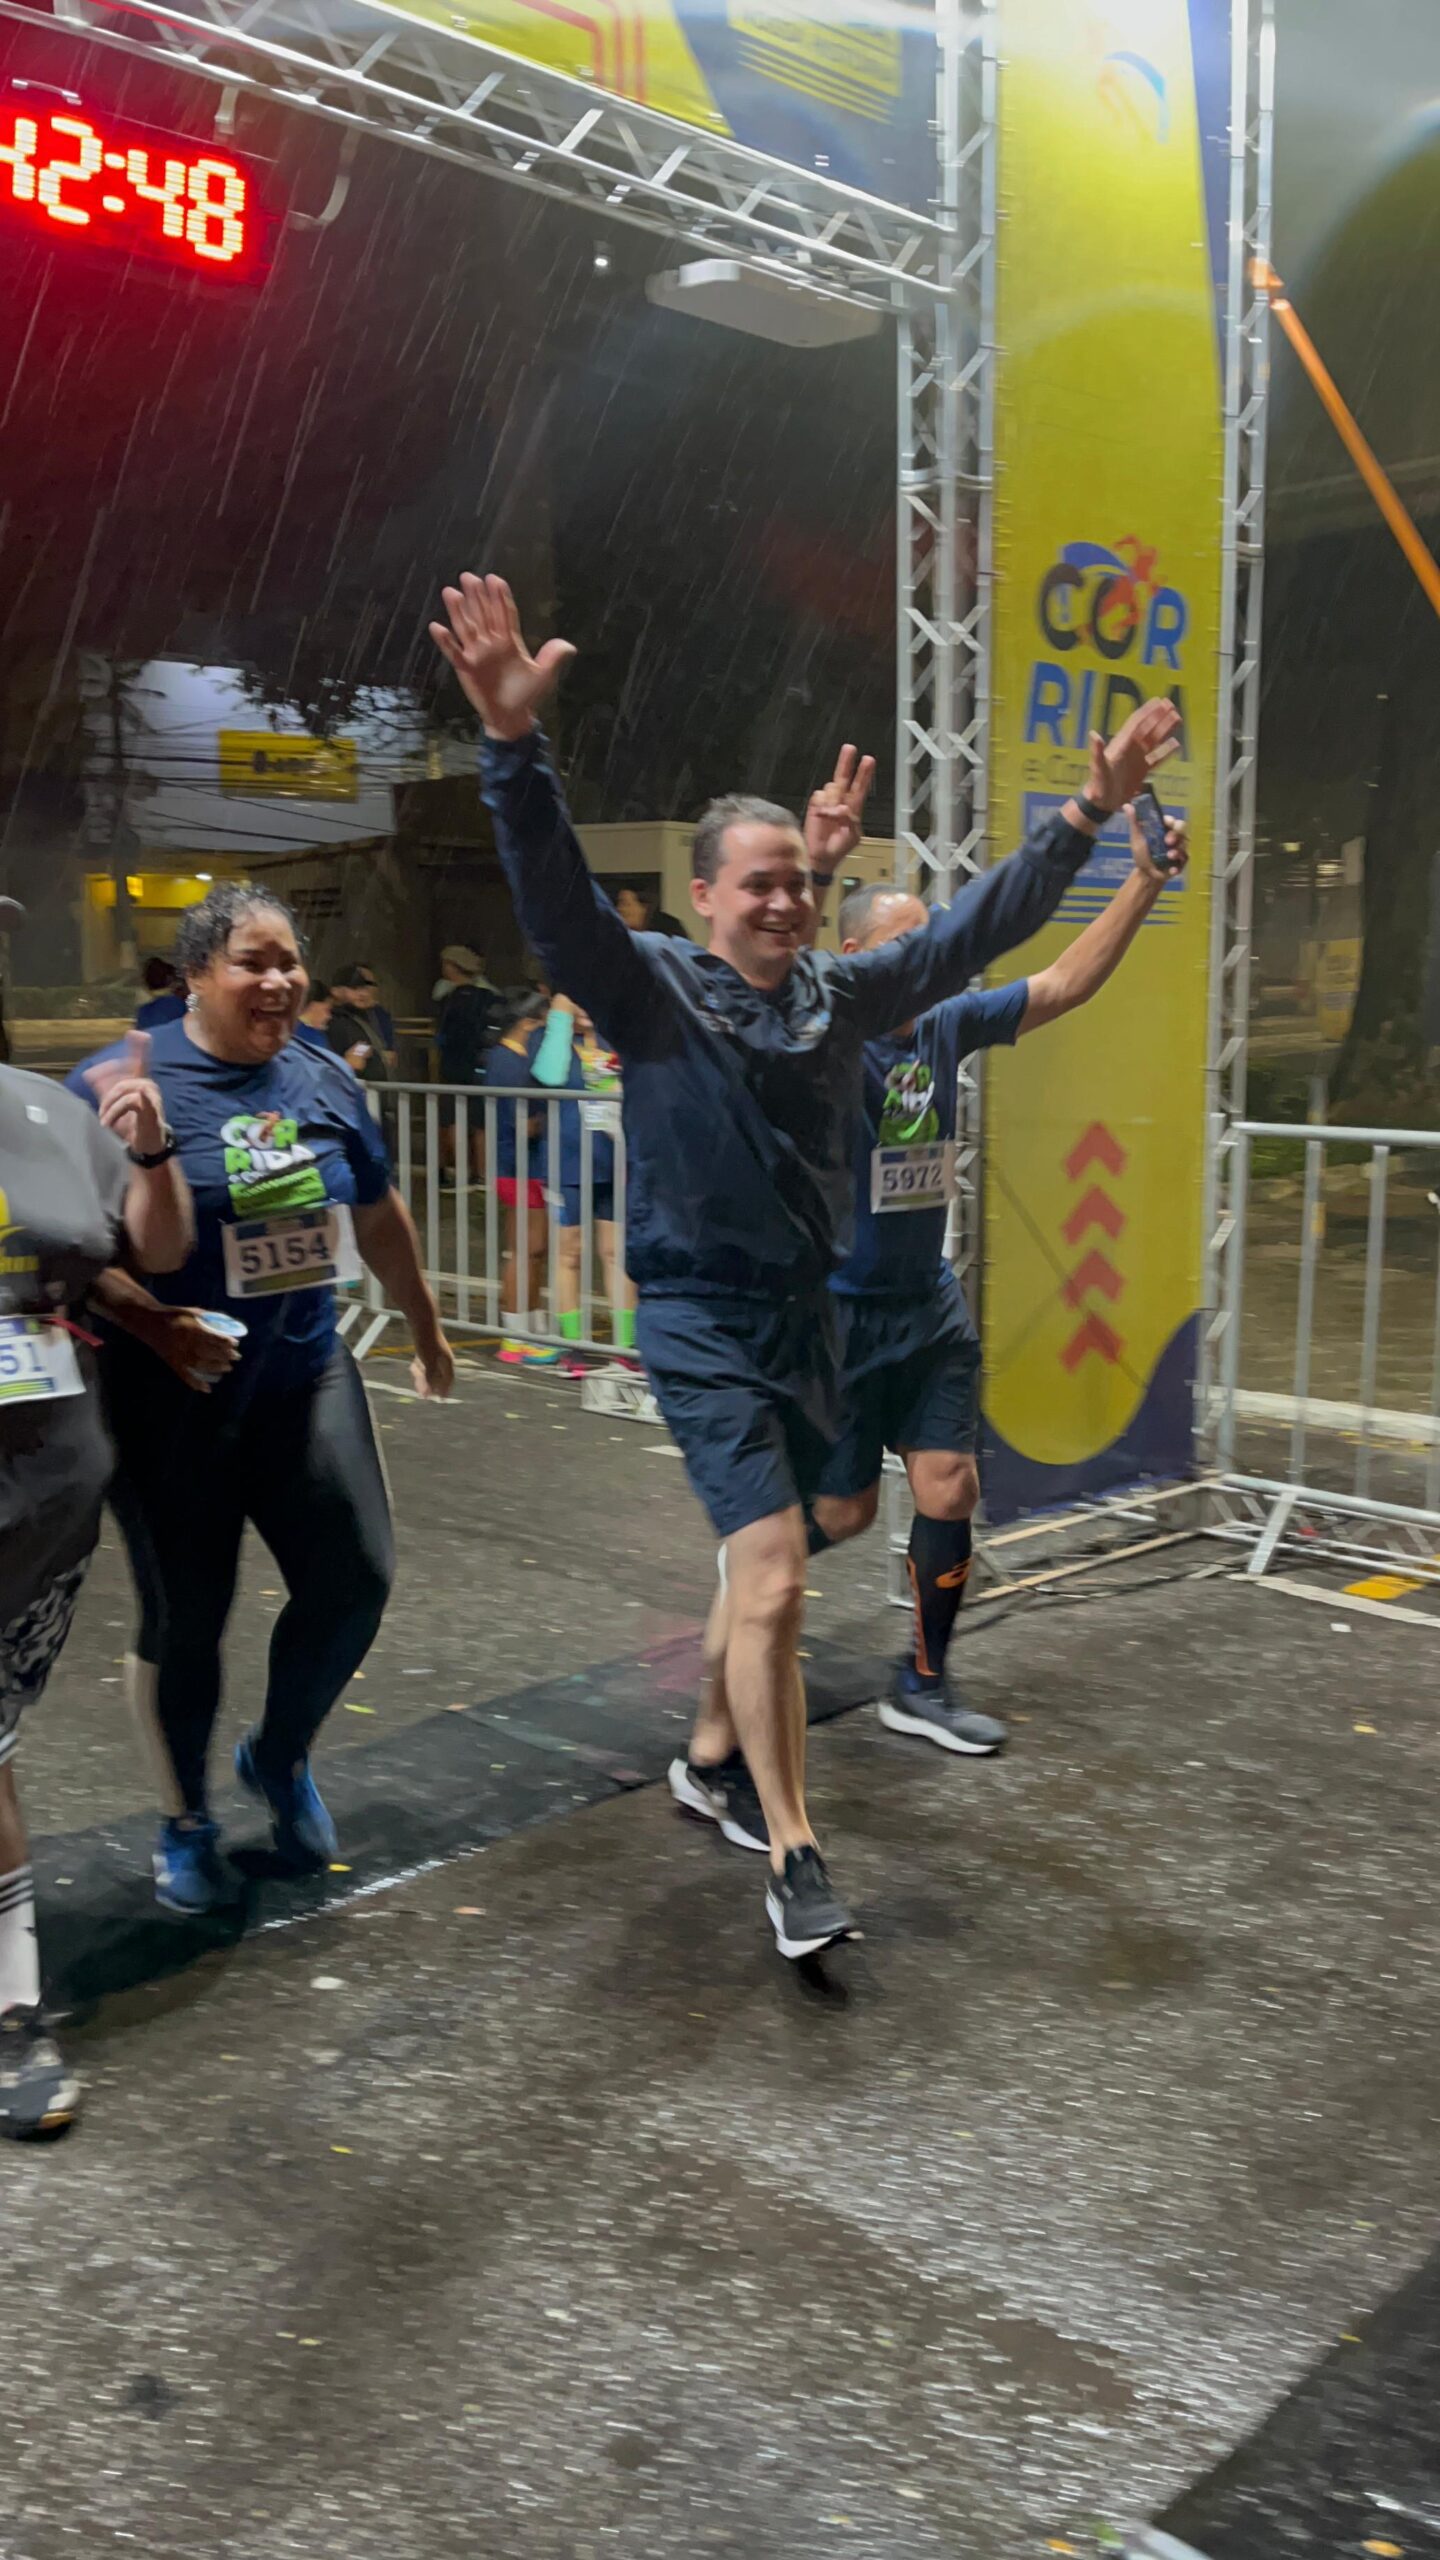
1372 472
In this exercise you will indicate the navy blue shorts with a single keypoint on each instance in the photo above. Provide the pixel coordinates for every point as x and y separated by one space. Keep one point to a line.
602 1204
909 1379
747 1389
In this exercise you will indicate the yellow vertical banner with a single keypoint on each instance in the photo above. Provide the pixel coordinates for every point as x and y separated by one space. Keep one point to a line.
1108 568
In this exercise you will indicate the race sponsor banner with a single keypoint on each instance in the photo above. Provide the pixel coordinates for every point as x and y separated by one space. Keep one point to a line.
1113 151
845 88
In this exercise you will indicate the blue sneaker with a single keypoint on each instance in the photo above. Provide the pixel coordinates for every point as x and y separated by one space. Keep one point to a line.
189 1876
304 1832
926 1707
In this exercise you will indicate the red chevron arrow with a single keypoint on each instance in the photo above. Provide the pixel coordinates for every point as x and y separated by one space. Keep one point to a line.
1094 1273
1093 1335
1096 1147
1095 1210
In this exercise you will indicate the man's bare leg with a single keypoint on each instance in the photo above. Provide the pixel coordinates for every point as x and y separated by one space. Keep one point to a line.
37 2093
765 1565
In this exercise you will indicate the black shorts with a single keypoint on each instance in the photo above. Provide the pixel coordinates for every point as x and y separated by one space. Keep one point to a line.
909 1379
747 1388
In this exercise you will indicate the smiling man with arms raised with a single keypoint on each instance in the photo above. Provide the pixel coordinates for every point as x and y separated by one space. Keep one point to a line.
742 1077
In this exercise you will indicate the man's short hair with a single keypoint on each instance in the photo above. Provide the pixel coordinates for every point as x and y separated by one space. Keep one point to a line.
737 809
857 907
355 973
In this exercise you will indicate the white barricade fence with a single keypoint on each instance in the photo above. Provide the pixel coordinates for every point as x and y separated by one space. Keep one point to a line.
1359 1481
447 1146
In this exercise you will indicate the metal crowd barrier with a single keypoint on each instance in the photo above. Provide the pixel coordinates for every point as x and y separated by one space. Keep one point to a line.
1324 1496
461 1228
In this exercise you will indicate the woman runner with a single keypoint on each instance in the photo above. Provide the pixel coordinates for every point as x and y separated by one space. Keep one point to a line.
292 1189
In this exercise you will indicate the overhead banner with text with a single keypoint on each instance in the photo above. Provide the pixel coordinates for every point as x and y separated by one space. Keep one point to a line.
1114 154
845 88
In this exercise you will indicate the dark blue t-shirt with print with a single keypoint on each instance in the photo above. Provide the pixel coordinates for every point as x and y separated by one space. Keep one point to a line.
910 1099
260 1142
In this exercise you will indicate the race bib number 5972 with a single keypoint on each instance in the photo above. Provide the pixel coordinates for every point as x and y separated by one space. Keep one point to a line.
912 1177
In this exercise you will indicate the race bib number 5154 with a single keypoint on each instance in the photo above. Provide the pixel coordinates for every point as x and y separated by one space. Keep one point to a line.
314 1249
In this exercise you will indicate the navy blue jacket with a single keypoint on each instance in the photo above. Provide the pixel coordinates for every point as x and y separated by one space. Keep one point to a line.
740 1105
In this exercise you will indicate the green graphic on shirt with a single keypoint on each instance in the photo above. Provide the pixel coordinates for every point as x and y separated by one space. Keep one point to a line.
267 1167
908 1117
600 1068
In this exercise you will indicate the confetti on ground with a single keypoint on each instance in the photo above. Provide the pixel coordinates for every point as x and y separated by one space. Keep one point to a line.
354 1708
1367 1728
1385 2550
342 2150
1062 2546
336 1869
326 1982
469 1911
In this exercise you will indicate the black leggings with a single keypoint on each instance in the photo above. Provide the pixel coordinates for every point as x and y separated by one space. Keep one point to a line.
304 1467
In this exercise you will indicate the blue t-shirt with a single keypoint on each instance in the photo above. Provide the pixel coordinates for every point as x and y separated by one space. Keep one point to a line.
158 1009
910 1099
313 1038
507 1067
259 1142
593 1072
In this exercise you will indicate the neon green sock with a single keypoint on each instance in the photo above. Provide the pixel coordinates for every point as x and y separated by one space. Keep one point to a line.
624 1328
570 1325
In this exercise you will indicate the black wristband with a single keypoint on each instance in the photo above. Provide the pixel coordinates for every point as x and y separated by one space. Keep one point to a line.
148 1164
1092 810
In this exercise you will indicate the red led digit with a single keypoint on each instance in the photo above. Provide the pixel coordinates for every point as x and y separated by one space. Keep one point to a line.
213 226
21 155
171 193
55 174
169 199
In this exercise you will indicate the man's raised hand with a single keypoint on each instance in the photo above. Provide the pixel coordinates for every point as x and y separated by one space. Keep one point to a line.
485 646
835 818
1148 738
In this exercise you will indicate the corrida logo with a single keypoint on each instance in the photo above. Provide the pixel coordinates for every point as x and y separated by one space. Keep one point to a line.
1112 633
267 1165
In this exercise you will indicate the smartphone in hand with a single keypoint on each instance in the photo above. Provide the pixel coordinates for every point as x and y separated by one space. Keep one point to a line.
1150 819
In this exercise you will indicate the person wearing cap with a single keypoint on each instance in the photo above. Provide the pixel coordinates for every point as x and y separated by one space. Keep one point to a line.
357 1024
465 1029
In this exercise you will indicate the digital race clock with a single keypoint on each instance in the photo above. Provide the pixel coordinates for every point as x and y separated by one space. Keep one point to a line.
82 176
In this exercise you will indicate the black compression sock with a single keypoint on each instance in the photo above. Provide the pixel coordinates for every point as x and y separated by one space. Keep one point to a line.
939 1567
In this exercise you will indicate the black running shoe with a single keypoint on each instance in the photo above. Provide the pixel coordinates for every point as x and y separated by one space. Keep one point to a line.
38 2094
805 1910
725 1793
926 1707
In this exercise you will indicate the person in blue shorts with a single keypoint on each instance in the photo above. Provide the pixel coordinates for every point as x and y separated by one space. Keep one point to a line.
909 1357
569 1057
742 1068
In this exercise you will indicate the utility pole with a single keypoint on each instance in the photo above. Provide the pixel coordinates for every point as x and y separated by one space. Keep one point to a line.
123 841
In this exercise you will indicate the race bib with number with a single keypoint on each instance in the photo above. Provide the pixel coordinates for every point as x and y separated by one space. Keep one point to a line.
920 1177
314 1249
36 1360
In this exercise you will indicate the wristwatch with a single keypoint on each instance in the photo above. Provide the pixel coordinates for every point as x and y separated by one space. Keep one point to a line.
1092 810
162 1154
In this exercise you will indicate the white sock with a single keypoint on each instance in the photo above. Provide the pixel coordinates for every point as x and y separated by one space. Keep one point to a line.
19 1948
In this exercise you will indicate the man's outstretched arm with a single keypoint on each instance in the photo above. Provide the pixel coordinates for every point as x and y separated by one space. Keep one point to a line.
1012 900
1096 954
563 912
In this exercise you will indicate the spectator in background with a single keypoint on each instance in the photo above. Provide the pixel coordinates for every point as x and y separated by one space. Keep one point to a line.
464 1031
315 1013
355 1034
164 998
522 1016
644 914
